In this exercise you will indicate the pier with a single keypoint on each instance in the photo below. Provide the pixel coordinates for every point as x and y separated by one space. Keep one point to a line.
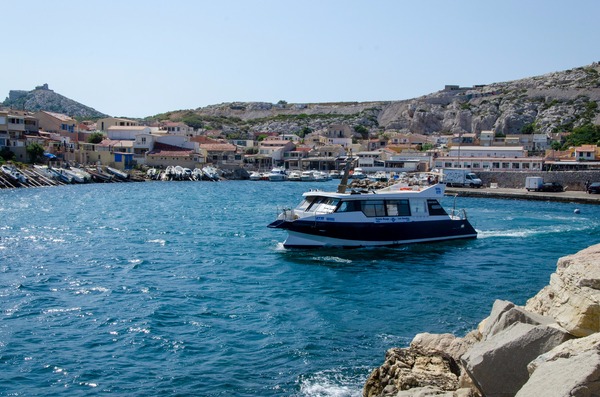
575 196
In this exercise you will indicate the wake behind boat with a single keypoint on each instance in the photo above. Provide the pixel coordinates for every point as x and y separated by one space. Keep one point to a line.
391 216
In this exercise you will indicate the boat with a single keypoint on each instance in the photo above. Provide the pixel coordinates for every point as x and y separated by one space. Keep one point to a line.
255 176
197 174
379 176
358 174
210 173
294 176
307 176
335 174
117 173
392 216
14 173
322 175
278 175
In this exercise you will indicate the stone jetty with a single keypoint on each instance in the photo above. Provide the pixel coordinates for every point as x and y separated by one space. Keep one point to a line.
550 347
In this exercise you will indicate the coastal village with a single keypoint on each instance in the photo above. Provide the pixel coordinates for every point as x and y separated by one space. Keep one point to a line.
173 150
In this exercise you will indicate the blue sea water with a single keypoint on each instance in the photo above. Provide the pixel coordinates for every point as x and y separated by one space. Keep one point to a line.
179 288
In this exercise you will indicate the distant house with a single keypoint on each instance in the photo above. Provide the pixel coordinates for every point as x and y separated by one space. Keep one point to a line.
223 155
339 134
105 123
164 155
12 134
586 153
177 128
58 123
275 148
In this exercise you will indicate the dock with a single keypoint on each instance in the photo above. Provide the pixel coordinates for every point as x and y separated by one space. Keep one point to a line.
575 196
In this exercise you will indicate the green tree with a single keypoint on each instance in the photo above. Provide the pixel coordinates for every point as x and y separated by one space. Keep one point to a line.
556 145
95 137
584 135
34 151
528 128
193 120
362 130
304 131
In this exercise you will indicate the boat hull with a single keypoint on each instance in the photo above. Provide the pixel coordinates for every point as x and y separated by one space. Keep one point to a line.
311 234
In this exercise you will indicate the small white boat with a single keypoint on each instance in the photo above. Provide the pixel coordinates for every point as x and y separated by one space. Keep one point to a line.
197 174
335 174
294 176
13 173
255 176
307 176
82 174
358 174
277 175
210 173
118 173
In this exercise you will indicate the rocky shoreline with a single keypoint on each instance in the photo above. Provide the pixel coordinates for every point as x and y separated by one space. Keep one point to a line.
549 347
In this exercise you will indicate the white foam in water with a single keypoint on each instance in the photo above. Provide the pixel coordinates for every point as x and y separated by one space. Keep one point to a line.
332 259
331 384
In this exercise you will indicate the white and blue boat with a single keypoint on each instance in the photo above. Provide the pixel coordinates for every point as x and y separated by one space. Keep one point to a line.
391 216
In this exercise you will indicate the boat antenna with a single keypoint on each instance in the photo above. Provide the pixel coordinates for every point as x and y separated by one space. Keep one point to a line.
344 182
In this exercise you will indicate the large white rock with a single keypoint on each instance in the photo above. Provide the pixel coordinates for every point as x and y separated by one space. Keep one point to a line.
498 364
504 314
575 376
573 296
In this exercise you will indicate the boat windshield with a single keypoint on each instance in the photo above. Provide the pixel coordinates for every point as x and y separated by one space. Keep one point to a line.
318 204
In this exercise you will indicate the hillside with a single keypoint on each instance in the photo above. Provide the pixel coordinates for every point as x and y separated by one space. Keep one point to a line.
43 98
553 102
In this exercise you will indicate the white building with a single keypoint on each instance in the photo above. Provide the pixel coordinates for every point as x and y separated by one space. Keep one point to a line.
126 132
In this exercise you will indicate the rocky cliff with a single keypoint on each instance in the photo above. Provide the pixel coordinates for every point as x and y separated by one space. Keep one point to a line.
43 98
553 102
550 347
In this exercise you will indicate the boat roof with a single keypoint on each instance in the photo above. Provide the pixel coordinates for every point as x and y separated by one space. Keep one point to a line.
397 191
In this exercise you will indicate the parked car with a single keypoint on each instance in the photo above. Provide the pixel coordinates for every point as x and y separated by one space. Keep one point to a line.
594 187
552 187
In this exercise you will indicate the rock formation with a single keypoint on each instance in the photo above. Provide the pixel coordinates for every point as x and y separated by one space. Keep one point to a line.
550 347
43 98
556 101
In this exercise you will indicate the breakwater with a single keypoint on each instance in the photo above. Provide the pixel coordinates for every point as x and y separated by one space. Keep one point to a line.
572 180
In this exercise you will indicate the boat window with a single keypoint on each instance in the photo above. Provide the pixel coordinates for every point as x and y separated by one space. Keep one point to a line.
435 207
373 207
418 207
324 205
397 208
349 206
305 204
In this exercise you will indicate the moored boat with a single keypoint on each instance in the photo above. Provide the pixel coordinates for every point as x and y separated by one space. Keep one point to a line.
210 173
278 175
255 176
307 176
391 216
294 176
14 173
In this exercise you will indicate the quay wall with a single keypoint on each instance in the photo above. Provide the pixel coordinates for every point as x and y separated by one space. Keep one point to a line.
571 180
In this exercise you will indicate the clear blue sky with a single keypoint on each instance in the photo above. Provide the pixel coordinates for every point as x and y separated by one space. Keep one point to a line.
137 58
